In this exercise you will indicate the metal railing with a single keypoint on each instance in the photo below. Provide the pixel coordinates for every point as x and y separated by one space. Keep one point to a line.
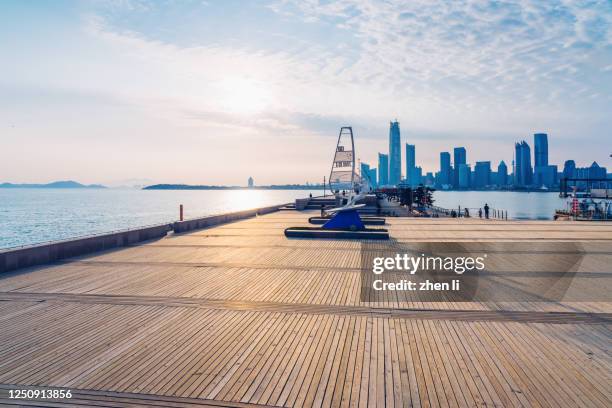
472 212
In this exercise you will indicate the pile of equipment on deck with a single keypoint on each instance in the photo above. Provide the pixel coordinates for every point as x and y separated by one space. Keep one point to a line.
342 221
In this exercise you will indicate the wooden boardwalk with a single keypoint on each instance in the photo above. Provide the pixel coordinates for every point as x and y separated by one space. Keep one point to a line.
239 315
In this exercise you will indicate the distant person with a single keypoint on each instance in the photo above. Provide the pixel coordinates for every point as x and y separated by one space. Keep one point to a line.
453 214
486 208
322 210
310 195
466 213
480 213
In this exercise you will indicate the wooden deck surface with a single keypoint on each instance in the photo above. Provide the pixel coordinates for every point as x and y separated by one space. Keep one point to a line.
238 315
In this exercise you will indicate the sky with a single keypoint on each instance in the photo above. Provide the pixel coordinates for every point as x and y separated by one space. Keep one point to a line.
212 92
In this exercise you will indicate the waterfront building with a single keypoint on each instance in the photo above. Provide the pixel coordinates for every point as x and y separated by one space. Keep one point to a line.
459 157
364 170
545 176
395 154
569 168
594 171
250 182
523 172
416 176
540 149
445 169
383 169
429 179
411 164
464 174
373 180
482 174
502 174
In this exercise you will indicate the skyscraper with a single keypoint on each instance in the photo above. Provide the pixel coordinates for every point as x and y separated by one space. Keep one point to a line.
445 168
411 164
417 176
459 157
464 171
364 170
540 149
569 169
482 174
429 179
545 176
373 181
395 154
523 172
383 169
502 174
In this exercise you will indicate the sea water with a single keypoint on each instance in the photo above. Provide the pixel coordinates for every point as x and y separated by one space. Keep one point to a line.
31 216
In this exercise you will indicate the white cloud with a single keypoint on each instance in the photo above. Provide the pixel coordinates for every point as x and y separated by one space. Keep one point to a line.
468 48
472 73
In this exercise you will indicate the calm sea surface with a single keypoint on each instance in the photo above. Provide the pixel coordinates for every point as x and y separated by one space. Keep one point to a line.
520 205
30 216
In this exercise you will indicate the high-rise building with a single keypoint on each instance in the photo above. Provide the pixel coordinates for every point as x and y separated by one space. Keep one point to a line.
364 170
416 177
411 164
482 174
545 176
395 154
569 169
429 179
250 182
502 174
373 180
459 157
594 171
540 149
383 169
463 172
445 169
523 172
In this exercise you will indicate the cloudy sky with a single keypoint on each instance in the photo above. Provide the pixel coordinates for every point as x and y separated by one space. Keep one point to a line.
213 92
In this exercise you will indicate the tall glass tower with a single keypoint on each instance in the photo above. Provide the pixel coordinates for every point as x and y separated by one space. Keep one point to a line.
523 172
411 164
395 154
540 149
459 157
445 168
383 169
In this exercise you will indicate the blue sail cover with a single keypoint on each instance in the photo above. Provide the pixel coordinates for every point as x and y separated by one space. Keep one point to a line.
345 220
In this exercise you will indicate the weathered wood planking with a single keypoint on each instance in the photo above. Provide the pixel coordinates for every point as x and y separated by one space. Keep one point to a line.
238 314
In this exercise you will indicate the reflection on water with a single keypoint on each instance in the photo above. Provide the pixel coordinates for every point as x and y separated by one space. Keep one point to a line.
520 205
29 216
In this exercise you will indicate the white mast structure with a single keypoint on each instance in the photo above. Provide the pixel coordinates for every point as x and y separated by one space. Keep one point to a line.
342 175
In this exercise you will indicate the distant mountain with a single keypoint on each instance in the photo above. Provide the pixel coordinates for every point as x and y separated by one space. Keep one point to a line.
55 184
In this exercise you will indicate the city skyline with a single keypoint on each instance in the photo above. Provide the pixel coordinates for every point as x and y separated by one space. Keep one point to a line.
112 90
457 173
